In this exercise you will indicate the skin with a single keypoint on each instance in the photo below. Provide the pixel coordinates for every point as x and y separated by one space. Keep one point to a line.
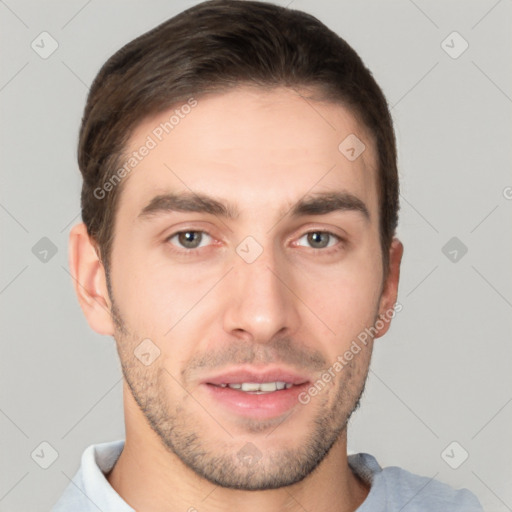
298 305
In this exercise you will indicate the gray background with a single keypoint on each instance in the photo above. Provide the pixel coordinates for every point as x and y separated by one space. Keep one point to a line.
442 373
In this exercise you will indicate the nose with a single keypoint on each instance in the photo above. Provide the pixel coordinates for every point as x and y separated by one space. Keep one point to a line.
261 301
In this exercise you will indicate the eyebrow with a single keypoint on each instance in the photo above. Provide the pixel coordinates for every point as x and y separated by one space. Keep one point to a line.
316 204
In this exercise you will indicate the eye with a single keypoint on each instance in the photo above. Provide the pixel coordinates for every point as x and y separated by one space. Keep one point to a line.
320 239
189 239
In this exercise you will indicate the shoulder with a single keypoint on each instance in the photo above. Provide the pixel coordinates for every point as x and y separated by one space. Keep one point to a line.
398 488
89 490
426 493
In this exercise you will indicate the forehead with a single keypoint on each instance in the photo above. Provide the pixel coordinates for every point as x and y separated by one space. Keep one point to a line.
259 149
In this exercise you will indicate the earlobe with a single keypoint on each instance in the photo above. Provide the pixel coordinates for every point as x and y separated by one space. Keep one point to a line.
390 288
89 280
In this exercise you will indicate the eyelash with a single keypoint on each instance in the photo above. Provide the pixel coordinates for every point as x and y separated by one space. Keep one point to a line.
193 252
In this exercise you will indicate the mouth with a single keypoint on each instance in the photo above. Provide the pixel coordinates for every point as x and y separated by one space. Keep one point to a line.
256 394
258 388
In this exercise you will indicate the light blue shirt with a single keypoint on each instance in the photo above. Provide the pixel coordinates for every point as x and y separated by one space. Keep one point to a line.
392 489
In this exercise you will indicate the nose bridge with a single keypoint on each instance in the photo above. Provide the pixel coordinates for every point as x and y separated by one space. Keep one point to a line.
260 302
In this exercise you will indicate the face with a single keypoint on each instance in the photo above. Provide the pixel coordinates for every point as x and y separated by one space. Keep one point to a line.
246 259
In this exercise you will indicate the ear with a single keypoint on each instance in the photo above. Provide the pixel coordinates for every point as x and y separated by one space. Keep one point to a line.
390 289
90 281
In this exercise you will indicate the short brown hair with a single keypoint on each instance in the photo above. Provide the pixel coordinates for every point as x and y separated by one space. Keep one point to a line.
212 47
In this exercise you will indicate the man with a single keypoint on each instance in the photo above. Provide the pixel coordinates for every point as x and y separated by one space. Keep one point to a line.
240 200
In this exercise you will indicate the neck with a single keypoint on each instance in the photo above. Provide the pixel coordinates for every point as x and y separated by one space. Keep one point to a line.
151 478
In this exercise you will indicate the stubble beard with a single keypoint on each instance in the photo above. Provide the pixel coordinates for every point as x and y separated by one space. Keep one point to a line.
223 461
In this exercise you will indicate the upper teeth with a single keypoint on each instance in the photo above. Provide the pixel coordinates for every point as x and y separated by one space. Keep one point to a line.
259 386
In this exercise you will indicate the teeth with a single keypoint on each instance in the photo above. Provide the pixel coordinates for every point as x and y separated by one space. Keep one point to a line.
259 387
266 386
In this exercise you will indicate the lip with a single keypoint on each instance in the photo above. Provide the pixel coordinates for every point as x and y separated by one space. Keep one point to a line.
239 375
253 405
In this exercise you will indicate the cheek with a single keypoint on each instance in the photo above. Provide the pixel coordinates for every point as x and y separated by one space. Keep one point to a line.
157 297
140 293
346 298
154 294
